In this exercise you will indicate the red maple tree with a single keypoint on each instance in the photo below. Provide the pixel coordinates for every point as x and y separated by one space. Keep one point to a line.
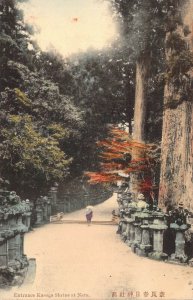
121 155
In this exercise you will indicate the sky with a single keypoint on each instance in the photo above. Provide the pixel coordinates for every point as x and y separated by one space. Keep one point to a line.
71 26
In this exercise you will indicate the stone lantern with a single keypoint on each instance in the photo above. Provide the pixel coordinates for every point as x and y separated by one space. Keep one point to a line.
158 228
179 254
145 246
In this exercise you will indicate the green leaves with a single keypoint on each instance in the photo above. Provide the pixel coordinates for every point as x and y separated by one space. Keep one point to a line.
28 153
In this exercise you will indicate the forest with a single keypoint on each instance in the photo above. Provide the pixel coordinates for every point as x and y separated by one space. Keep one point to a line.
58 114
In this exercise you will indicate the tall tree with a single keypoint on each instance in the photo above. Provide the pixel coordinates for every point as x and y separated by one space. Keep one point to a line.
176 182
143 31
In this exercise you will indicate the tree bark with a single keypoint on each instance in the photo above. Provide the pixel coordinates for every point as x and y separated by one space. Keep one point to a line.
142 67
176 179
140 100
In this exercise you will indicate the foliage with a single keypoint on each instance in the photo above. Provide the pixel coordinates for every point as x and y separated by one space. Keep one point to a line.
27 154
100 84
122 156
38 124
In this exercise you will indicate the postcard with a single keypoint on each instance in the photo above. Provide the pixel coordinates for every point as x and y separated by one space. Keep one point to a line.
96 150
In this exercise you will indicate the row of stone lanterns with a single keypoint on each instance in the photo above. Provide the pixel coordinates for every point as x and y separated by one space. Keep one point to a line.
143 230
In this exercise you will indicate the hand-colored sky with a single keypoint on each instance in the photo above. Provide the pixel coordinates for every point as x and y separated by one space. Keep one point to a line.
71 25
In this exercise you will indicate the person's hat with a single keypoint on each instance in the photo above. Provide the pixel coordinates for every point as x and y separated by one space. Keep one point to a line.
89 207
141 197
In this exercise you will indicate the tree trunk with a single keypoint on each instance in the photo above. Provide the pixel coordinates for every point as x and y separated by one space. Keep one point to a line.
142 67
140 100
176 179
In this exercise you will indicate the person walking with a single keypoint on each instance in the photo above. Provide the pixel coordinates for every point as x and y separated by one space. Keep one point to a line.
89 214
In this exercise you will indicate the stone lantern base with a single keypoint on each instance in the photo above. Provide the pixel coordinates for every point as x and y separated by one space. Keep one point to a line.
14 273
158 255
144 250
190 263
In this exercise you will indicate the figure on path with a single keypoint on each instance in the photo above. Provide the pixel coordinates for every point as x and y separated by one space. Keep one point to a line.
89 214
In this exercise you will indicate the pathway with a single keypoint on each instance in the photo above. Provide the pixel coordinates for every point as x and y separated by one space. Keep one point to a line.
76 261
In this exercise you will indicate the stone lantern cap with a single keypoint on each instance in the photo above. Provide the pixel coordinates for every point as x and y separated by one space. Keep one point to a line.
177 227
145 225
158 214
146 214
157 225
9 211
129 220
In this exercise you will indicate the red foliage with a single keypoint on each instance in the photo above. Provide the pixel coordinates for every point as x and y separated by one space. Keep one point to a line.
101 177
116 147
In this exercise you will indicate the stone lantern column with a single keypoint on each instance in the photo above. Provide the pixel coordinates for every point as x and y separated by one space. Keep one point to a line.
145 247
45 208
39 213
53 197
131 231
179 255
123 229
27 215
127 231
3 244
158 228
49 208
138 231
130 224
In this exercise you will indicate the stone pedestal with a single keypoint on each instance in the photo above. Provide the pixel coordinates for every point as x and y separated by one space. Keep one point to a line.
179 255
158 228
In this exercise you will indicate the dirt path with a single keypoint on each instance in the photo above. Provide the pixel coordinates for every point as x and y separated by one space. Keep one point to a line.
91 262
